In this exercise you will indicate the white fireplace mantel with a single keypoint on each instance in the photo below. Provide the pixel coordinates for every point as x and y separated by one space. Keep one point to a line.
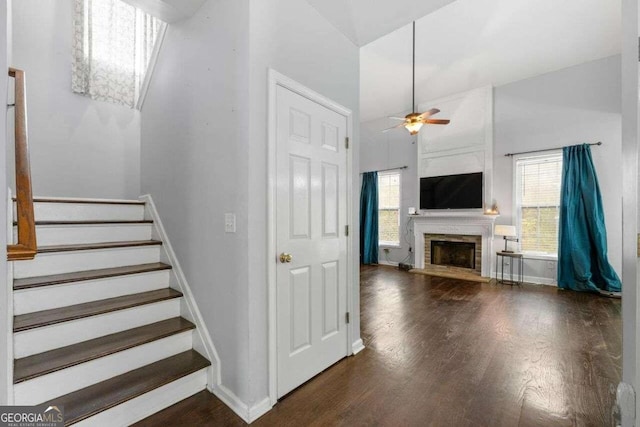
455 222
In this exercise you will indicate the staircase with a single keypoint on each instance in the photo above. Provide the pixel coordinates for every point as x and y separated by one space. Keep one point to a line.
99 318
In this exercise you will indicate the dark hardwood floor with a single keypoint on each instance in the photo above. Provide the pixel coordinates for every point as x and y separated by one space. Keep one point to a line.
444 352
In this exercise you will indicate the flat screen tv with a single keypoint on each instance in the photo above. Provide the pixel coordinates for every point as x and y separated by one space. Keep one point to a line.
451 191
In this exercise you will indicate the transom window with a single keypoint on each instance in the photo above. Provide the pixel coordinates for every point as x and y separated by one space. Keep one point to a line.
537 191
113 43
389 208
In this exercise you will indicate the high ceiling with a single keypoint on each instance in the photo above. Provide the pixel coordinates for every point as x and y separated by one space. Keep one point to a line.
363 21
471 43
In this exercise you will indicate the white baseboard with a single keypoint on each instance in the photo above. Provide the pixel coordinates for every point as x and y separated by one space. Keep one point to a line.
548 281
391 263
357 346
540 280
259 409
214 385
195 316
237 405
231 400
6 306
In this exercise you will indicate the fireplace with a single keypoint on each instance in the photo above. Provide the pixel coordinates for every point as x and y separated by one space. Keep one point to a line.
454 254
467 227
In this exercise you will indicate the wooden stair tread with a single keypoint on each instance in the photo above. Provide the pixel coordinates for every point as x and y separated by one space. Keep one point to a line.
94 222
78 276
86 201
40 364
89 401
38 319
90 246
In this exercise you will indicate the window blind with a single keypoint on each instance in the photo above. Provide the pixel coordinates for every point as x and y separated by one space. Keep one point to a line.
538 181
389 208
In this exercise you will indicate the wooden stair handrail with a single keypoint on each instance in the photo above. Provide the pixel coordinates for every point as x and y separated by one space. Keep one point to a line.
26 247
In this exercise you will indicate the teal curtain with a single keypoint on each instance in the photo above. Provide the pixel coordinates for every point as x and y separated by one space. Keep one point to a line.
369 218
582 254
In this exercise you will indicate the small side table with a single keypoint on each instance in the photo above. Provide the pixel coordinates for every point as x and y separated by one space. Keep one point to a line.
515 257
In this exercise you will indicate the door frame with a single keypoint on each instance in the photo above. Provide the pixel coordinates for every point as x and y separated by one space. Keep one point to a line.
277 79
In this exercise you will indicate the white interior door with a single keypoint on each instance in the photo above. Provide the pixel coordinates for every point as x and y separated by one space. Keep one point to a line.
311 210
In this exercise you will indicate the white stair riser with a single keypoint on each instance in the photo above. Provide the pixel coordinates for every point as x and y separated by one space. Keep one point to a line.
85 212
77 234
74 378
48 297
66 262
149 403
38 340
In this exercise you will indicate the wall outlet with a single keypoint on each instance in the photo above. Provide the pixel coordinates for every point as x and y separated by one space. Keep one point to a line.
229 223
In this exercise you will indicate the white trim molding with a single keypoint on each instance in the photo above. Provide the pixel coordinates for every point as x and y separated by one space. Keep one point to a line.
248 414
202 339
357 346
531 280
389 263
6 305
276 79
148 75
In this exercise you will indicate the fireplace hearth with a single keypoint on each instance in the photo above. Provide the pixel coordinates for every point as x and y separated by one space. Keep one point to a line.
453 254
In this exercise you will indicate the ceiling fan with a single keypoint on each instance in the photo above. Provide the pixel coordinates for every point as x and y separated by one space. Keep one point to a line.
414 121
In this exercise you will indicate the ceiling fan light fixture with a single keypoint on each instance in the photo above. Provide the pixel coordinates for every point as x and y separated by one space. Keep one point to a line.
413 127
414 121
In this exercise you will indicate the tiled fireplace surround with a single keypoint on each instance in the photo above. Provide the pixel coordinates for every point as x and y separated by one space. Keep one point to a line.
456 227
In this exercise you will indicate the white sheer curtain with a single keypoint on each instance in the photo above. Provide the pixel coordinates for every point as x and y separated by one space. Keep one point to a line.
112 46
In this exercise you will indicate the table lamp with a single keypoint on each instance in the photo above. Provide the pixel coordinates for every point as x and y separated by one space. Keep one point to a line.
509 234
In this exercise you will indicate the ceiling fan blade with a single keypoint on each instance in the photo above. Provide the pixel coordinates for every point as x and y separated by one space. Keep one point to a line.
393 127
437 121
396 118
429 113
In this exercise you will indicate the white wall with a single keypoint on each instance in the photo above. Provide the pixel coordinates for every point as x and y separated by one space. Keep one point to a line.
291 37
5 324
79 147
392 149
570 106
204 139
194 164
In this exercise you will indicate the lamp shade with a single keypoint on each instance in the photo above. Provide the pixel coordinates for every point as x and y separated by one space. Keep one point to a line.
505 230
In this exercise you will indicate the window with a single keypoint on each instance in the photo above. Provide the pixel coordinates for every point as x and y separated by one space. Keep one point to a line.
389 208
537 192
113 43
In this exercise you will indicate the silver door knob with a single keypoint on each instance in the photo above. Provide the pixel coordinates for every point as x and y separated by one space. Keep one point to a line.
285 257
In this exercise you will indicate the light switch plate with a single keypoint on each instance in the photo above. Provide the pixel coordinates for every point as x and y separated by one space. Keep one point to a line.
229 223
